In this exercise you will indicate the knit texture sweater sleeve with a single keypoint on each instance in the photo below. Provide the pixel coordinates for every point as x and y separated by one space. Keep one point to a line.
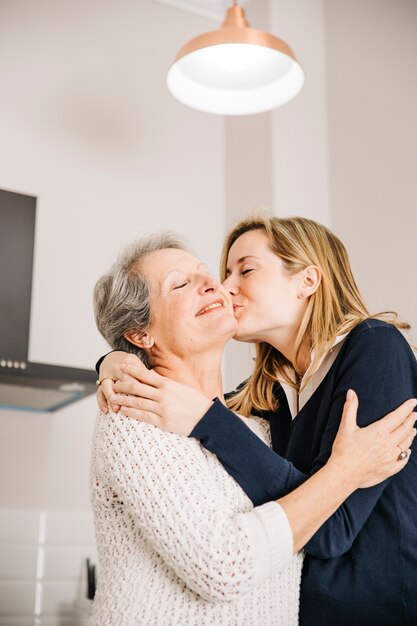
165 483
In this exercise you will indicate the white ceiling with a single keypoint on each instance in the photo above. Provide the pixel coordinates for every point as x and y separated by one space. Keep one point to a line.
214 9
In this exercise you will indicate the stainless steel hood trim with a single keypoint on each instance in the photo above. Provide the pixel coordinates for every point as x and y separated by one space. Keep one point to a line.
71 384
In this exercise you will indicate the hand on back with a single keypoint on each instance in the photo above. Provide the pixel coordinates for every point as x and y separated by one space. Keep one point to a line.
370 455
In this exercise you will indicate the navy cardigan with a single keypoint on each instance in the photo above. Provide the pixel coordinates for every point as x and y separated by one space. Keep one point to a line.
360 567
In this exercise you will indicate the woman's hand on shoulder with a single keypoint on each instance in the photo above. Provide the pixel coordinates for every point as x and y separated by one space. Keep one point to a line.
147 396
372 454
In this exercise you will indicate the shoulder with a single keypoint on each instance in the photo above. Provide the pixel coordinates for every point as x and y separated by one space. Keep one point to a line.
377 334
132 438
375 350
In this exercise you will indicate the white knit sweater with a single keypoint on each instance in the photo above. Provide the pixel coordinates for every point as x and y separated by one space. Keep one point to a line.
179 542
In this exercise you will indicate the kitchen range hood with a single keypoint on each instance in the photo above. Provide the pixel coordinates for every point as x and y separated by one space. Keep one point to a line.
25 385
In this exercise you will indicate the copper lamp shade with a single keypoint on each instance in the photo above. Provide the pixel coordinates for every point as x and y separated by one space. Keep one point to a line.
236 70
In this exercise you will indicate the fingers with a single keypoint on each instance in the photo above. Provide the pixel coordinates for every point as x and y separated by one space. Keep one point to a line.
133 387
112 365
140 416
141 373
106 388
404 430
101 401
402 462
133 402
397 465
350 410
405 444
125 377
394 419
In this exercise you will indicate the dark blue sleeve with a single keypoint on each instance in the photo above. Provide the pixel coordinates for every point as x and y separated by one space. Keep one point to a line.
262 474
382 369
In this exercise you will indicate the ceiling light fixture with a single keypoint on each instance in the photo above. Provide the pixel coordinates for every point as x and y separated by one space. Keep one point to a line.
236 70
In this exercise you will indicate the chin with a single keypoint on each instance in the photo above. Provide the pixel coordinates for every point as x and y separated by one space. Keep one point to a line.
246 338
228 325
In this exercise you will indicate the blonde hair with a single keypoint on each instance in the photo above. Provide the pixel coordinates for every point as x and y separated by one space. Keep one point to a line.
334 309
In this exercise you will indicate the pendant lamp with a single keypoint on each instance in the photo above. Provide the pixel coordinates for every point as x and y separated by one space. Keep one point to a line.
236 70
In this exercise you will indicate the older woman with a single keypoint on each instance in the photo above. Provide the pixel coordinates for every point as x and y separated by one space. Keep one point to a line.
179 542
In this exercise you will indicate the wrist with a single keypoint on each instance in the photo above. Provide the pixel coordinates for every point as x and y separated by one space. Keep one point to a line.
205 407
342 474
201 410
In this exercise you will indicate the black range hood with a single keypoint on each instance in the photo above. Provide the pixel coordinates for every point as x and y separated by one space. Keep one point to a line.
25 385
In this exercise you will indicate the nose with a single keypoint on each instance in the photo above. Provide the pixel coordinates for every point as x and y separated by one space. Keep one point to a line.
231 286
208 284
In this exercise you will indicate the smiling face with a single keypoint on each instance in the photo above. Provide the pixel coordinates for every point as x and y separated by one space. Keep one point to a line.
191 311
266 296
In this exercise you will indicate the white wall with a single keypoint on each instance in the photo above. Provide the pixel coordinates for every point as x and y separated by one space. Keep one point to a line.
299 129
372 104
43 567
88 126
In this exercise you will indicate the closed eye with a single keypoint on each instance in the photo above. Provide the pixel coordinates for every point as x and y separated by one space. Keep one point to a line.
246 271
180 286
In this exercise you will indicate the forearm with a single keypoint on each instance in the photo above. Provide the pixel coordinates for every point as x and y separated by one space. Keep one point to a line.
313 502
262 474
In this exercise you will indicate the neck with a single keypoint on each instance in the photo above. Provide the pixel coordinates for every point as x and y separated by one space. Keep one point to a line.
286 344
201 371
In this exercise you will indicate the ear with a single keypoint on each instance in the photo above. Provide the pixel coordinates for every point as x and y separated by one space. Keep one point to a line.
141 340
311 280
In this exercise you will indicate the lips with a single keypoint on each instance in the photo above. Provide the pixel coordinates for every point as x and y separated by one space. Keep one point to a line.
217 304
236 310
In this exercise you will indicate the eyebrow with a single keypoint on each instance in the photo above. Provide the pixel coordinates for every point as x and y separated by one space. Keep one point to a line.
176 269
241 260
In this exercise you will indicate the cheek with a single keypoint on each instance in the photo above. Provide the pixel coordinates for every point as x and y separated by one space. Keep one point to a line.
272 306
176 322
169 321
253 291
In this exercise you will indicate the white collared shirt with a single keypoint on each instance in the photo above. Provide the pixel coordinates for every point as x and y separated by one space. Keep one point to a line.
295 400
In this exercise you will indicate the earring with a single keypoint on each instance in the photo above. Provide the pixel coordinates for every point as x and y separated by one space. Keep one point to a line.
303 294
147 342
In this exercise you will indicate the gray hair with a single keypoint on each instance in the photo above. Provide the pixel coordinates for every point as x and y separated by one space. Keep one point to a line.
122 296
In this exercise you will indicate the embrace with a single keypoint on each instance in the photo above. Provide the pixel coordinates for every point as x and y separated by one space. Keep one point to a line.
293 500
